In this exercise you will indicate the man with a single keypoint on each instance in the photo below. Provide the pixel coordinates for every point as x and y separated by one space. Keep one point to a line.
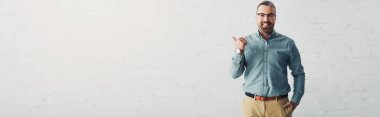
264 57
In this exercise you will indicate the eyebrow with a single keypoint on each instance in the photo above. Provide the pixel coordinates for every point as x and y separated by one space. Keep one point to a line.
266 13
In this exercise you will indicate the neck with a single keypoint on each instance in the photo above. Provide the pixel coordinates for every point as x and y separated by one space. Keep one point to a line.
265 35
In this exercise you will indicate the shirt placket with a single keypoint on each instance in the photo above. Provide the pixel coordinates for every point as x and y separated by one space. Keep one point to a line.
265 69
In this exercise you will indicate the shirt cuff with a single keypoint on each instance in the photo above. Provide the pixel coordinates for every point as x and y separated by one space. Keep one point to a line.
296 99
237 57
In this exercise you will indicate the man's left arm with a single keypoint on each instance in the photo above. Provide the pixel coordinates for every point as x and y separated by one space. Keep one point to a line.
297 72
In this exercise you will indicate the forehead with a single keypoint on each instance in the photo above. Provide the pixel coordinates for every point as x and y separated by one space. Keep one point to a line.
266 9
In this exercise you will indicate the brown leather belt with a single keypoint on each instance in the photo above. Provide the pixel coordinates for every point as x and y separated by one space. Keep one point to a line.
262 98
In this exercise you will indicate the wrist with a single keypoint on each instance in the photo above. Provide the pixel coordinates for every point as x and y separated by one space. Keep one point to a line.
239 51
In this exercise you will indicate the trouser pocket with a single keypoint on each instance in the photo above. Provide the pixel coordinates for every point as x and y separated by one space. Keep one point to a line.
287 112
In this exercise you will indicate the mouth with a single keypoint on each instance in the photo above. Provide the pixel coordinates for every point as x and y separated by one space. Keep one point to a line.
266 24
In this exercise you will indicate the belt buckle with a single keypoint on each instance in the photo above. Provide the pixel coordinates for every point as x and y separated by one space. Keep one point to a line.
260 98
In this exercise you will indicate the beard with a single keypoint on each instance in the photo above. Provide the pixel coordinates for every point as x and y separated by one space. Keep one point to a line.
268 29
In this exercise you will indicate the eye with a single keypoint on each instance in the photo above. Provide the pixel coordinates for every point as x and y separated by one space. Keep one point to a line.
271 15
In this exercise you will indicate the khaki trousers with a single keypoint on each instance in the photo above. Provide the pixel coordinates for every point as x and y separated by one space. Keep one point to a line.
271 108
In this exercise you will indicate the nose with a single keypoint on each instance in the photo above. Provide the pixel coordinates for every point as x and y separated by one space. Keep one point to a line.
265 18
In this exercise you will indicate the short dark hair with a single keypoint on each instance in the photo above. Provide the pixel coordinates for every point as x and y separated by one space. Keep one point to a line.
267 3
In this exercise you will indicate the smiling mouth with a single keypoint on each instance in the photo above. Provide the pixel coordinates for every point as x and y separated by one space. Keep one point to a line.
266 24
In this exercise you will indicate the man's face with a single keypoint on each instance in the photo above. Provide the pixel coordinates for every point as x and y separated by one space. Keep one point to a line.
266 18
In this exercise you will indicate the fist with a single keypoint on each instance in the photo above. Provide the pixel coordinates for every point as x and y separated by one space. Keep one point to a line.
290 105
240 42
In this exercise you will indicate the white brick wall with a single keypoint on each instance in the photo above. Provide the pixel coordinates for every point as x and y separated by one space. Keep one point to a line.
170 58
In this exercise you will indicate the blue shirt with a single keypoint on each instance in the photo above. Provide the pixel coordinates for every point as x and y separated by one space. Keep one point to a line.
264 64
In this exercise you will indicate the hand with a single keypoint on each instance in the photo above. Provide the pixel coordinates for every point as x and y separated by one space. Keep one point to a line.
240 43
290 105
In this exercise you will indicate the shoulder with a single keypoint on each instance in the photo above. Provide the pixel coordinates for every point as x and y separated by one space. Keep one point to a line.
251 38
285 39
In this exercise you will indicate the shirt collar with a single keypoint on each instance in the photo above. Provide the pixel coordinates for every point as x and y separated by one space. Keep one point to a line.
273 34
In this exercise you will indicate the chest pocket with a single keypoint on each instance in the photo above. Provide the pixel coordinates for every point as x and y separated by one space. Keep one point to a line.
252 54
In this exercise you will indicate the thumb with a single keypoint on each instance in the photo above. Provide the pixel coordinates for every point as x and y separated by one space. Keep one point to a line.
234 38
286 105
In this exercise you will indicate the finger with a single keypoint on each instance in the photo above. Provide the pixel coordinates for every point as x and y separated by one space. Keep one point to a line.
241 38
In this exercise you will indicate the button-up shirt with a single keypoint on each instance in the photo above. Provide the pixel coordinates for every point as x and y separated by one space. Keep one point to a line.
264 64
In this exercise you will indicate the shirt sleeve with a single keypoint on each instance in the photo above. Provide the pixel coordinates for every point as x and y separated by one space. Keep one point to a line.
237 67
297 72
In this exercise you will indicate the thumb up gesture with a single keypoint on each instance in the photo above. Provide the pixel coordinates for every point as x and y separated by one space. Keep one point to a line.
240 42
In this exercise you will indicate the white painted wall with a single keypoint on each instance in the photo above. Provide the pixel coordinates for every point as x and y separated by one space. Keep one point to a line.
170 58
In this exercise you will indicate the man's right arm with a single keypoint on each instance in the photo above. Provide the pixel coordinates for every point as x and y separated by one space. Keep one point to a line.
237 67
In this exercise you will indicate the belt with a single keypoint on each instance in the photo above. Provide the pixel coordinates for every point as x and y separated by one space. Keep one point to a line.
262 98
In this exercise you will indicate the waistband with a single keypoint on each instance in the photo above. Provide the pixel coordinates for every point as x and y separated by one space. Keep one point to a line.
263 98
